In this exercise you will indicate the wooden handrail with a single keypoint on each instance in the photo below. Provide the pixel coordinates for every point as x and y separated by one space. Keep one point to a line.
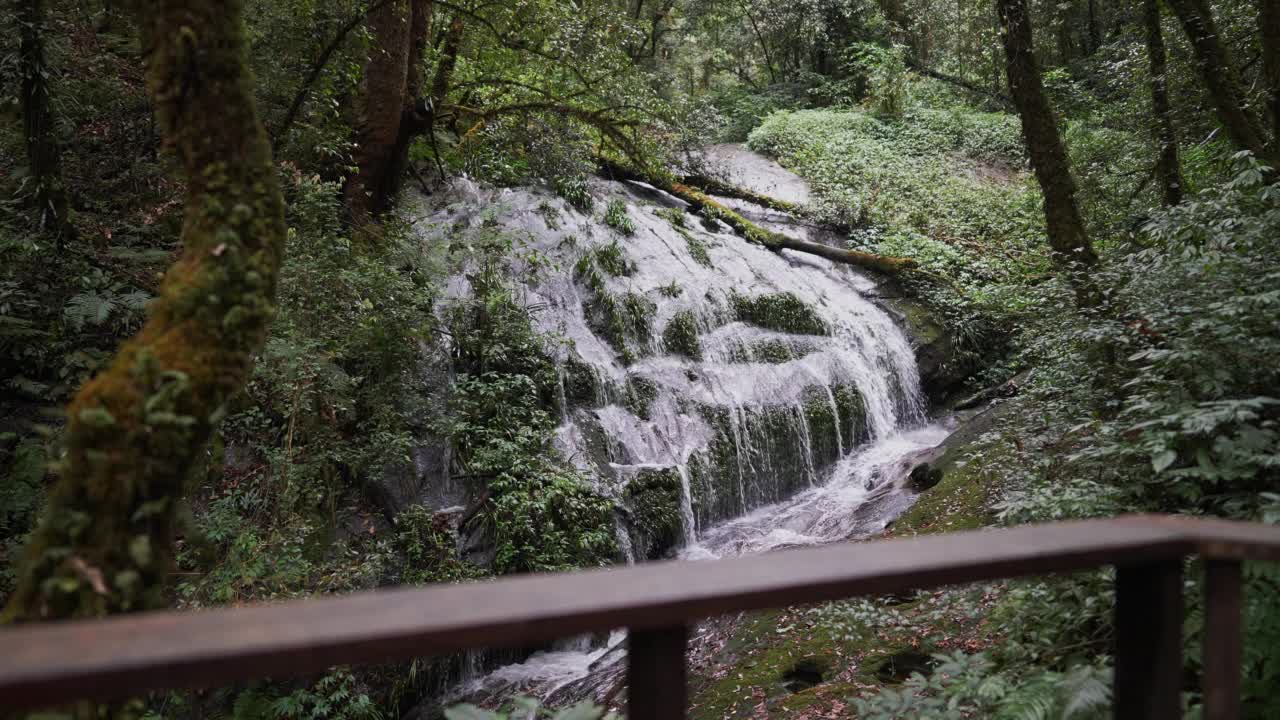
45 664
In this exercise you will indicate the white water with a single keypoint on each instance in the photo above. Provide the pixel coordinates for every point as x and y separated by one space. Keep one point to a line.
789 482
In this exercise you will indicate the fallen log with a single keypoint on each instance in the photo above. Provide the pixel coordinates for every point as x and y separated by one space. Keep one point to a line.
752 232
715 186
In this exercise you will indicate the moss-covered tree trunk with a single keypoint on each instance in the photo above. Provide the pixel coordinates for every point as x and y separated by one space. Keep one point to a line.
1067 235
1220 76
134 432
1269 29
1168 164
48 196
392 86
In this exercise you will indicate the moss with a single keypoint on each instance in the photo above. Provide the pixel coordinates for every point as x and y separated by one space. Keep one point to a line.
763 458
550 215
771 352
697 249
135 431
783 312
681 336
764 663
774 352
959 501
624 320
640 394
653 499
581 383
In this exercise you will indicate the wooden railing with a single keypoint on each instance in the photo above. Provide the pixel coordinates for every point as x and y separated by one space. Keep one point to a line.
51 664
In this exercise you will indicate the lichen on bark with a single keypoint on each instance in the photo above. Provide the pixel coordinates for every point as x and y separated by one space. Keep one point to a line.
105 543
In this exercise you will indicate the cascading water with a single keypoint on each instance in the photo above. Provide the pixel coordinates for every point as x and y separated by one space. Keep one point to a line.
766 389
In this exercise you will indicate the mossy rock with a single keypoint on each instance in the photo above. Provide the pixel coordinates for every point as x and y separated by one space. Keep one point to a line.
625 321
582 386
640 394
653 499
783 312
681 336
764 460
771 352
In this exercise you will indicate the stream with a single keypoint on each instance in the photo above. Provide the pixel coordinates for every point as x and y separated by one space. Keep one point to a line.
794 422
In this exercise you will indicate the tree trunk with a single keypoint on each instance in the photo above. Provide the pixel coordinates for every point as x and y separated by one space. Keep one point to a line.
44 156
134 432
1095 27
1269 27
753 232
443 79
1067 233
1168 165
385 78
1220 76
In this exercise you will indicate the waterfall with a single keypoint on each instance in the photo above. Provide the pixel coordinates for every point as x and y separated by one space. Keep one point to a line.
769 387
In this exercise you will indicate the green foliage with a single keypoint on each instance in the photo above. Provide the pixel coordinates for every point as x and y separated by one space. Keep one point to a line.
963 686
526 708
653 498
427 549
541 513
681 336
22 473
576 191
697 250
337 695
615 216
887 81
783 312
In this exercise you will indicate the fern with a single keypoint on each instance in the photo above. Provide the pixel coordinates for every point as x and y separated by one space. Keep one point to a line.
89 308
1086 693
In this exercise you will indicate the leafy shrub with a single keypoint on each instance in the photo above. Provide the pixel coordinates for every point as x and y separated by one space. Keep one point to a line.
540 512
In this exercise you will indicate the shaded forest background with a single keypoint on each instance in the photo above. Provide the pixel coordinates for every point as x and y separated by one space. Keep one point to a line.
1118 264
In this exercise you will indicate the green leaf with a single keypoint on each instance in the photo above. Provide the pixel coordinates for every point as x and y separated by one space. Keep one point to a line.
1162 460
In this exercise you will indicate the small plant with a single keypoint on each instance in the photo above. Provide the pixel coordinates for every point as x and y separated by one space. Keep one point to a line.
681 336
577 192
615 216
697 250
675 216
550 215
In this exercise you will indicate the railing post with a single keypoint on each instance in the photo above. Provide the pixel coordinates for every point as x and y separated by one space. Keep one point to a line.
1148 678
1223 639
657 685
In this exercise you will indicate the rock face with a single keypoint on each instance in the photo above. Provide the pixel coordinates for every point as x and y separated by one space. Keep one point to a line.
742 374
943 368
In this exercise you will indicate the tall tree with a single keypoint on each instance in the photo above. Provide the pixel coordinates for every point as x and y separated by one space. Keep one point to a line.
1067 234
135 431
44 155
1168 164
1269 29
392 87
1221 77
